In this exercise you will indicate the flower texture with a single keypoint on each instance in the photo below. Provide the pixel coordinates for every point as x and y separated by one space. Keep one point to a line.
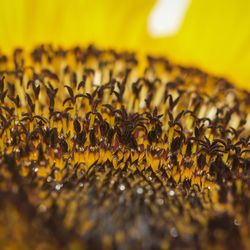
102 149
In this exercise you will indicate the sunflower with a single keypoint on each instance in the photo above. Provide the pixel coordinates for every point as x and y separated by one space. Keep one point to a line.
105 147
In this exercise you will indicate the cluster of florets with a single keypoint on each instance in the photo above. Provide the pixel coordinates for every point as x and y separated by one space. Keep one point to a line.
102 150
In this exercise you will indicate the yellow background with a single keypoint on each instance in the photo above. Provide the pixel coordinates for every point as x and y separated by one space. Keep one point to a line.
215 34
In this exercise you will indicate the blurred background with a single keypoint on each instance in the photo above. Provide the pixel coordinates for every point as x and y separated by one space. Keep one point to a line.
211 34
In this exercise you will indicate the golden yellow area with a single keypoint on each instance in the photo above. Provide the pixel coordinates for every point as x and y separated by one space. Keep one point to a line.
214 36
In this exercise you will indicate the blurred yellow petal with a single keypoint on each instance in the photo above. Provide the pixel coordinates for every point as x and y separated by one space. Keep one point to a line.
214 35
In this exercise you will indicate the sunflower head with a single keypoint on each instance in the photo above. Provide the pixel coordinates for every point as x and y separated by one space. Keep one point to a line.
101 149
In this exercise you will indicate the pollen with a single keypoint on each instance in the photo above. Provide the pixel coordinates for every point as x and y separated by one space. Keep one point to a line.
105 149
